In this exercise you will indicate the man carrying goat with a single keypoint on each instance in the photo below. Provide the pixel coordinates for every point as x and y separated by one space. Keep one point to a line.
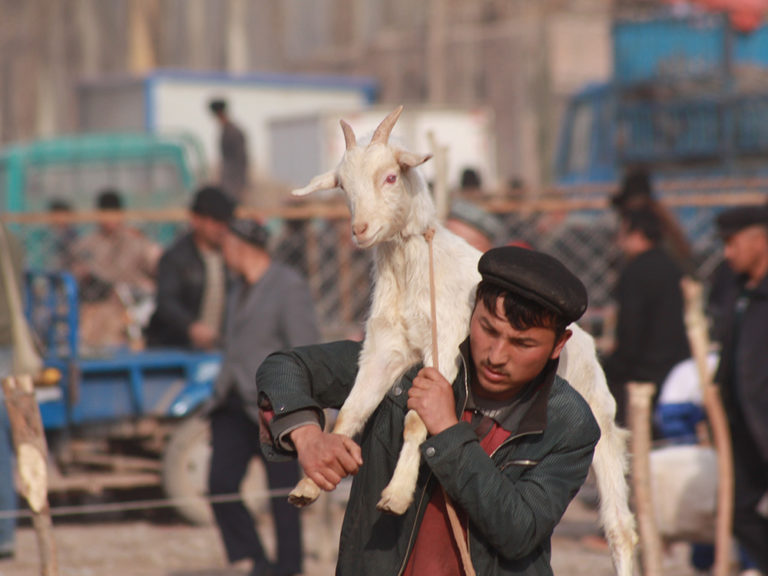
509 444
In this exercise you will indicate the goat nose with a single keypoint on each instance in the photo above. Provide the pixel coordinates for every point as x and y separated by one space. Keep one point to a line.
358 229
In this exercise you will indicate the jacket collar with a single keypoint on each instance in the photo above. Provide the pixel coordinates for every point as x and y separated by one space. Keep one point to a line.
533 400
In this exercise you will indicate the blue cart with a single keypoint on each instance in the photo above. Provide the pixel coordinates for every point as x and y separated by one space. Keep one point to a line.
121 418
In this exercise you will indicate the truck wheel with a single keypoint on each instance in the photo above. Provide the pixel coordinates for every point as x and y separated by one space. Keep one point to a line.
185 473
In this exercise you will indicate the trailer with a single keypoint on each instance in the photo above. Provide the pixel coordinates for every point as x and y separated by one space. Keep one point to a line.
170 101
304 145
121 418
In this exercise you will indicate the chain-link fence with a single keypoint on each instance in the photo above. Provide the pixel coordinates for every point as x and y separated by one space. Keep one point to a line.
577 228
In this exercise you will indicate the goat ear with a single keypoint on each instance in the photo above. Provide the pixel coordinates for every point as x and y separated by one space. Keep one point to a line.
327 181
410 159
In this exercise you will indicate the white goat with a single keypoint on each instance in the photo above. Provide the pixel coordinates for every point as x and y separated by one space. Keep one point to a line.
391 209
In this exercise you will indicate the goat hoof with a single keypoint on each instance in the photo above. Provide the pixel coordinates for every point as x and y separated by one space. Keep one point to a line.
393 504
304 494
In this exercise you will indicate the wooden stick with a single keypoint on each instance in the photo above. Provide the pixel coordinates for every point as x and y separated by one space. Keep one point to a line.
696 328
640 396
456 528
31 457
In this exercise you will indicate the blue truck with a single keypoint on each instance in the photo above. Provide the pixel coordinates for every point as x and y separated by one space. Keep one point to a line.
687 99
121 418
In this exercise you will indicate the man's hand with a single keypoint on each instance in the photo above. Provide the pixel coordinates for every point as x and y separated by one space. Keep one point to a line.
431 396
202 336
326 458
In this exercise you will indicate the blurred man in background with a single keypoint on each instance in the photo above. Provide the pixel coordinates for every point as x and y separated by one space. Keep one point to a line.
192 279
233 175
269 309
650 333
636 193
478 227
743 371
63 236
115 269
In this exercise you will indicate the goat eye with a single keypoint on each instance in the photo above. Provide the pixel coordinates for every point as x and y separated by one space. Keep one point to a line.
391 179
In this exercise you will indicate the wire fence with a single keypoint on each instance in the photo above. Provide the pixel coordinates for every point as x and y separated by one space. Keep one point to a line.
579 228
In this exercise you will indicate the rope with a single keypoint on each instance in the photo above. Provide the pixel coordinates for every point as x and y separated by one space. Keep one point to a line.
156 503
456 528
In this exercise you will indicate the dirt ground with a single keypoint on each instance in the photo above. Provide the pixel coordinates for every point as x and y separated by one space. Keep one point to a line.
157 543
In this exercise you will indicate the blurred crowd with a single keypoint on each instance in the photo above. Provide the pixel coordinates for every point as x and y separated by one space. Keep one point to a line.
205 290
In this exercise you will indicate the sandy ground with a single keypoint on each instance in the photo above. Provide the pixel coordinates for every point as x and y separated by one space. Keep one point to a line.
157 543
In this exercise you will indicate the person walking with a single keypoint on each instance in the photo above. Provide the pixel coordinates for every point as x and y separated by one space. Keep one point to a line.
233 146
269 308
650 332
742 373
192 278
509 441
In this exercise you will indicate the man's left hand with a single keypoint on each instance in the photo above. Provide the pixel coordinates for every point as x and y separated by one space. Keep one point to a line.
431 396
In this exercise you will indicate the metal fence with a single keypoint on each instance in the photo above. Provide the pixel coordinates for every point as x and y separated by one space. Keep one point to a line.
577 227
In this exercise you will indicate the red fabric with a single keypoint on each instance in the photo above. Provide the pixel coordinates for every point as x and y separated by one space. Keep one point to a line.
745 15
435 551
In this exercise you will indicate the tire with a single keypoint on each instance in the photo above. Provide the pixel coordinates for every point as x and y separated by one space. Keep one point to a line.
186 462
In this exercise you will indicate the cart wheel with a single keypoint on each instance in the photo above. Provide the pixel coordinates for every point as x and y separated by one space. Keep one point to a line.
185 473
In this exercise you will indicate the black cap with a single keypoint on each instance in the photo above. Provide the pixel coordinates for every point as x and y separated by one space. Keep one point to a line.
109 199
211 201
636 183
536 276
251 231
217 105
733 220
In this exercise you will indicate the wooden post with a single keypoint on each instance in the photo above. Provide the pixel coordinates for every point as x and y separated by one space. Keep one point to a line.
31 458
640 396
440 190
698 337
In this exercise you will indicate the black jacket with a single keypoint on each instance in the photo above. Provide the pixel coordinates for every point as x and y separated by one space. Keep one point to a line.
650 332
743 370
513 498
180 285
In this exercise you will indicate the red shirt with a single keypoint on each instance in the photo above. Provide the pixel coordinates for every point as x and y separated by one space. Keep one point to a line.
435 551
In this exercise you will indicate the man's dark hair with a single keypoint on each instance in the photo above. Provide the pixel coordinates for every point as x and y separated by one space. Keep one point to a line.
218 105
645 221
58 205
109 199
522 313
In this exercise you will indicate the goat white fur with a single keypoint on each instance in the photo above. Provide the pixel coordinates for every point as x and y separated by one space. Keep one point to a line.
391 209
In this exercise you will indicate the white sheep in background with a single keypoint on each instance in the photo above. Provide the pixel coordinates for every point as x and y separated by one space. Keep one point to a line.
391 209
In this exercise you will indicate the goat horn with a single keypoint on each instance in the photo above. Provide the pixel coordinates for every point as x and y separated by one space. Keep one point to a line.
349 135
381 136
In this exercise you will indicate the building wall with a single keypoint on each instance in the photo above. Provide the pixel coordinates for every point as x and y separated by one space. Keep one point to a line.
520 57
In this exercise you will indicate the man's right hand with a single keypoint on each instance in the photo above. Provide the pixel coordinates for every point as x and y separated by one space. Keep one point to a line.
326 458
202 336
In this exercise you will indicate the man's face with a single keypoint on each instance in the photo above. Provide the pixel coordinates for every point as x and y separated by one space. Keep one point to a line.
631 242
208 231
506 359
232 248
747 249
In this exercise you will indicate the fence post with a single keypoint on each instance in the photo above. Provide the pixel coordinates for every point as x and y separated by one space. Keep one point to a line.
32 457
640 396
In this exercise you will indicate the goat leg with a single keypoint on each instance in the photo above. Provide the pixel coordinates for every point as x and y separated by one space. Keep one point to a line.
366 394
398 494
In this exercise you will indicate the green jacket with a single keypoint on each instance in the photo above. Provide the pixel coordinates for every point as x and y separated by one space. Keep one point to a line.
514 499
